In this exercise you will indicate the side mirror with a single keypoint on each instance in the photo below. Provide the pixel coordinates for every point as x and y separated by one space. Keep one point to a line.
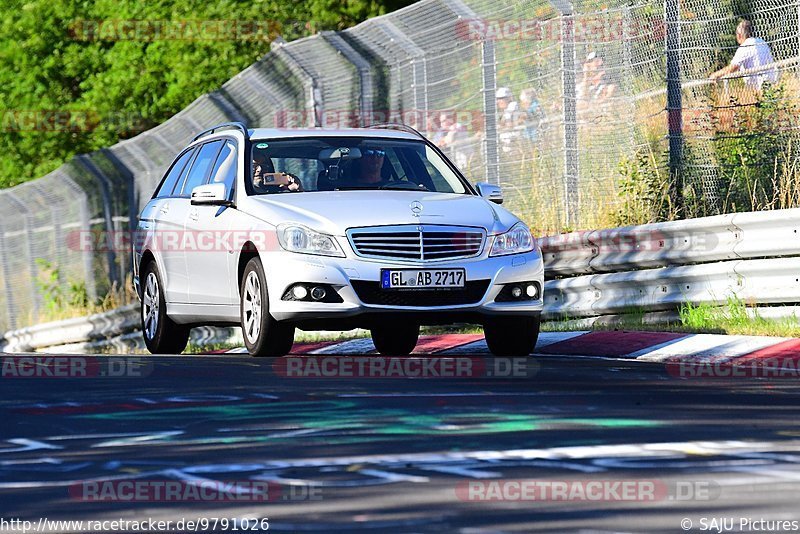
490 192
210 195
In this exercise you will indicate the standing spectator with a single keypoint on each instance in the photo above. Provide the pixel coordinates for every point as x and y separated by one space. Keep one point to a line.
593 87
531 115
448 136
507 108
753 53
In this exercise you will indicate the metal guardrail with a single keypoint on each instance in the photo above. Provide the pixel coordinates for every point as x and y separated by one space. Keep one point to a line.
658 267
113 331
741 236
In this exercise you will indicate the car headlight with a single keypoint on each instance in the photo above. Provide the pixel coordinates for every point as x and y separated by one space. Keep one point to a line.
303 240
515 241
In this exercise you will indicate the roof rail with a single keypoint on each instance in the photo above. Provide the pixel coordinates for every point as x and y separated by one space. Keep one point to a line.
396 126
236 125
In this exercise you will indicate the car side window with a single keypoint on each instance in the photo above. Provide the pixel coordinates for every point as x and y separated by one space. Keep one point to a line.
225 168
201 167
176 172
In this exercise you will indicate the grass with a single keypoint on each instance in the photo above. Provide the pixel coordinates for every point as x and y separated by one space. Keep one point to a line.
72 301
734 318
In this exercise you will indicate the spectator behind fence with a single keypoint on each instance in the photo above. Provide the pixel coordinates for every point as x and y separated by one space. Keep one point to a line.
449 130
506 108
753 53
531 113
594 89
448 135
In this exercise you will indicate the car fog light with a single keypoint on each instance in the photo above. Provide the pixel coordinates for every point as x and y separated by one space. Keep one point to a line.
516 292
299 292
531 291
318 293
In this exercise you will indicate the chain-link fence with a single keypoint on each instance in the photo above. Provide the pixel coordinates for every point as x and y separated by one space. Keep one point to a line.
589 114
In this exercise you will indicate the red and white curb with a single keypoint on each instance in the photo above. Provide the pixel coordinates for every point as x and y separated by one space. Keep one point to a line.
667 347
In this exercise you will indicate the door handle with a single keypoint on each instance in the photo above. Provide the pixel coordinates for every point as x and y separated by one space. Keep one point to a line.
194 216
164 209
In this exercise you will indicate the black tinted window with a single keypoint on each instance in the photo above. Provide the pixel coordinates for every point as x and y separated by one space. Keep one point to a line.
172 176
201 166
225 168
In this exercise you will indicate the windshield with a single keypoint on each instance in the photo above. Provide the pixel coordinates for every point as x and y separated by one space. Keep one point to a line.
349 163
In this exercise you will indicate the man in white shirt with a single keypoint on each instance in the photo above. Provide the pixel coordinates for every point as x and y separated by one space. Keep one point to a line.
753 52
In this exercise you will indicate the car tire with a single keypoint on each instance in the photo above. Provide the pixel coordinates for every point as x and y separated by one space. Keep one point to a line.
512 336
263 335
395 339
161 334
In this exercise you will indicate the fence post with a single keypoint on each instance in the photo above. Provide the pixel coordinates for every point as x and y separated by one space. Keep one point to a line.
571 161
419 79
490 139
108 216
7 287
364 75
226 106
627 77
314 102
674 103
33 271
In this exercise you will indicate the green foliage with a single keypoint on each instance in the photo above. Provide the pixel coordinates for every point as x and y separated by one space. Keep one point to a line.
752 155
121 87
55 296
643 190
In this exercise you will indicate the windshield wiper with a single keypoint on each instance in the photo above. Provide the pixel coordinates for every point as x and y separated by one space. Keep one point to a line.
410 186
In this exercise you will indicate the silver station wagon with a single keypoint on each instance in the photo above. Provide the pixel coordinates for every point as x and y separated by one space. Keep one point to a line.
277 230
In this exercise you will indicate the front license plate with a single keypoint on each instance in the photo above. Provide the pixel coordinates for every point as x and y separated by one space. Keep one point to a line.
422 279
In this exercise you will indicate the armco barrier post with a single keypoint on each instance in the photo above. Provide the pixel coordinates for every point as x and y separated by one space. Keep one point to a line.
674 102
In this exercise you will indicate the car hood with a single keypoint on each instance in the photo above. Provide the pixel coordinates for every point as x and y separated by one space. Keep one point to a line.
334 212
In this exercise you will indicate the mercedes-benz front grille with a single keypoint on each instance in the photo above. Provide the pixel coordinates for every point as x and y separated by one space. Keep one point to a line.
422 242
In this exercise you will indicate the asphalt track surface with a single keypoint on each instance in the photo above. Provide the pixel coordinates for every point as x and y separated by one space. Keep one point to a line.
366 454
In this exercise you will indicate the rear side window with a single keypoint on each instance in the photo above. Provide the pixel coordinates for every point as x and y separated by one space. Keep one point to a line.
225 168
201 167
168 184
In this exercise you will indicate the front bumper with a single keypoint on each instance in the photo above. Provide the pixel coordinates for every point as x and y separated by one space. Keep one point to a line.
285 269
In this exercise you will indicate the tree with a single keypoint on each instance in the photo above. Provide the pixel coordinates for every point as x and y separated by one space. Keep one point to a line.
77 75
